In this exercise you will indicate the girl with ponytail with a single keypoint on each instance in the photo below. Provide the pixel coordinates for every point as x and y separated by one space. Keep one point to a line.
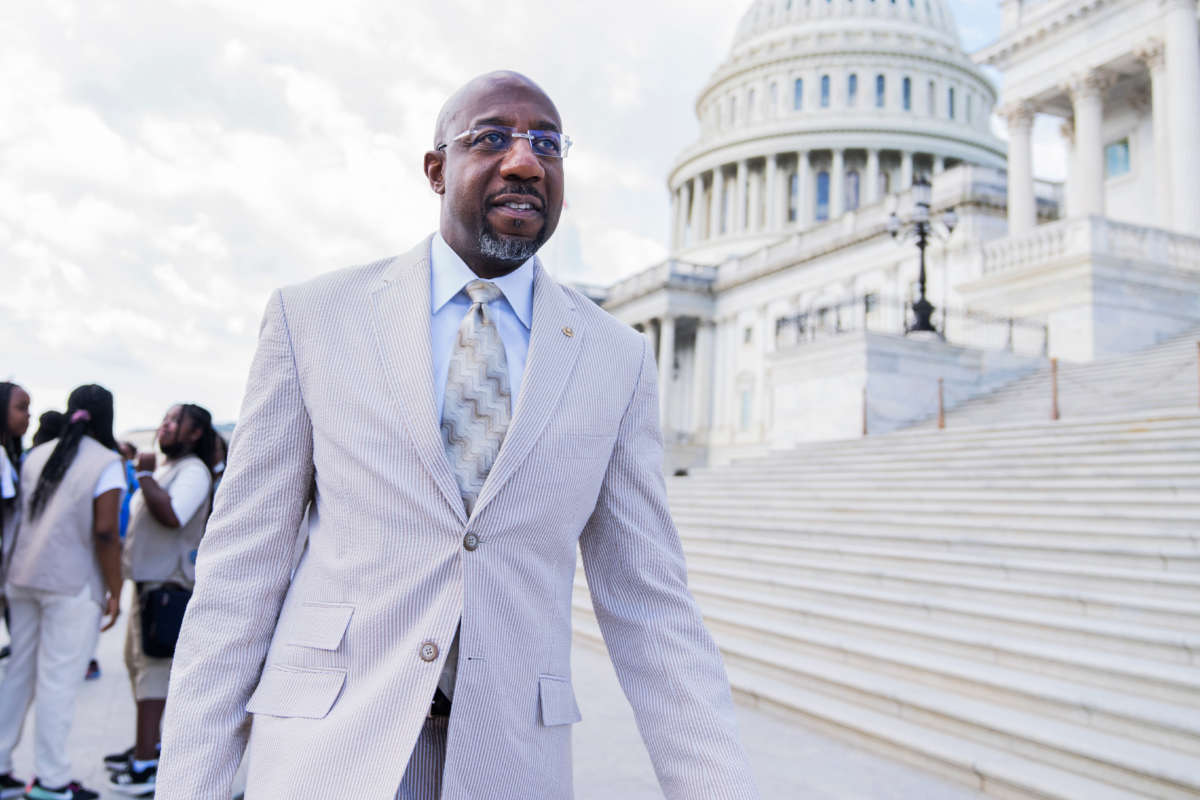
64 571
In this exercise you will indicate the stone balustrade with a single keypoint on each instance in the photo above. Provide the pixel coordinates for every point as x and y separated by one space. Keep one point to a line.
1084 237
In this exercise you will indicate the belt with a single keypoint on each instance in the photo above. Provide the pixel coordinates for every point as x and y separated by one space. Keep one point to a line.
440 707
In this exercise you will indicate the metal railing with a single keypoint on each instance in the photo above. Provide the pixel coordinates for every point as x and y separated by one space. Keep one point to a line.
876 314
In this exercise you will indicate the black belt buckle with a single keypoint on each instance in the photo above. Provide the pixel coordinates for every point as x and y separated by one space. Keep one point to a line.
440 707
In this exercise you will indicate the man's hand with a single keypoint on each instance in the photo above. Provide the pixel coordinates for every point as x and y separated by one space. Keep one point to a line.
146 462
112 610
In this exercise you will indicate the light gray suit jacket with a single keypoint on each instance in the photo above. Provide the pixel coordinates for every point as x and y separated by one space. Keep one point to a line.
329 660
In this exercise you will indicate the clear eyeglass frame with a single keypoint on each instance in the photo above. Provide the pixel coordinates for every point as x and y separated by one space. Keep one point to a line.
500 139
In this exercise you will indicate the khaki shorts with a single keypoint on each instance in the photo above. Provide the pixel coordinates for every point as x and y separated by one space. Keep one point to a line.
148 676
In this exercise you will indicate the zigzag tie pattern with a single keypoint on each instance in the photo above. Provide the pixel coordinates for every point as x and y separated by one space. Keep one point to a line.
476 412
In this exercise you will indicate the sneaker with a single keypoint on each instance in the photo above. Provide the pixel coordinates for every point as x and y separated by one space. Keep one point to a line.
119 762
10 787
93 670
133 782
72 791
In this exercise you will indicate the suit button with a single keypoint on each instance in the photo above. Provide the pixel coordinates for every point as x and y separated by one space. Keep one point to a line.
429 651
470 541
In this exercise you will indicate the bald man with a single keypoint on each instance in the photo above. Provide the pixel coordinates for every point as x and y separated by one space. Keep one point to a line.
453 425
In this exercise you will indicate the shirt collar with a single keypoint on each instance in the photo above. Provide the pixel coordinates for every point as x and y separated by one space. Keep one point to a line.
450 274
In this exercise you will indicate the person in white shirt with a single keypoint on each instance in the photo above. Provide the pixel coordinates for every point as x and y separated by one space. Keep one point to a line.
63 574
14 422
166 522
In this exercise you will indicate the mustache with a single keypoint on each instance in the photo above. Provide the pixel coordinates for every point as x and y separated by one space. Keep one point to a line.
518 188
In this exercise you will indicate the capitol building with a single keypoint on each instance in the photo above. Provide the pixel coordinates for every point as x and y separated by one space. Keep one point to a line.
785 311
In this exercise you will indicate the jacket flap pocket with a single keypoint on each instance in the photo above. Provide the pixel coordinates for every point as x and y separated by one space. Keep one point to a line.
285 691
321 625
558 701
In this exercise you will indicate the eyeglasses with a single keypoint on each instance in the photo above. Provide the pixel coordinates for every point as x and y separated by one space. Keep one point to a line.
500 138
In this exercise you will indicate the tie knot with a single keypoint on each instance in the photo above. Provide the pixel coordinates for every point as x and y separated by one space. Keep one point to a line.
482 292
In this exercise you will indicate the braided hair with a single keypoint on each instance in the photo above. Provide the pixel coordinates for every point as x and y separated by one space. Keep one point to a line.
97 423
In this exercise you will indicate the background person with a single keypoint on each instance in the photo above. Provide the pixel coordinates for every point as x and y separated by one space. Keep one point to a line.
166 522
14 422
65 570
50 426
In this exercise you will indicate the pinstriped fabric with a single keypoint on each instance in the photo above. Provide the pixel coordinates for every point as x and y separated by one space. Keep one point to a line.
423 777
339 409
476 409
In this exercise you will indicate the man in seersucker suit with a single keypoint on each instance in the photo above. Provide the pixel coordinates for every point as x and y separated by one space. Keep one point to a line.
455 423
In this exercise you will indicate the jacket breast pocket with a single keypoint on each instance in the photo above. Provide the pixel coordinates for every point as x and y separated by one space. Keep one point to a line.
285 691
320 625
557 701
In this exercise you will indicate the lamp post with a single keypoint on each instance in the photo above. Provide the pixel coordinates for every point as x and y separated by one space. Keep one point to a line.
920 227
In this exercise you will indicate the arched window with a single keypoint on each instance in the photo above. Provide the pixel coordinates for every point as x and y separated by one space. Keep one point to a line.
852 89
824 91
950 103
852 194
798 94
794 197
880 91
822 195
906 89
774 98
932 98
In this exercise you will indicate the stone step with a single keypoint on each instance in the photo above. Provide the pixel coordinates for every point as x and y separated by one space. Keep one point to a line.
949 481
1130 555
893 472
797 496
890 596
755 615
1070 761
943 515
1096 595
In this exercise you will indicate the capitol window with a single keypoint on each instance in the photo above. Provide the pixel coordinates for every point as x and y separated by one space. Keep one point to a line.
794 197
970 109
1116 159
852 190
824 91
852 89
880 91
932 98
906 88
822 195
798 94
950 103
750 104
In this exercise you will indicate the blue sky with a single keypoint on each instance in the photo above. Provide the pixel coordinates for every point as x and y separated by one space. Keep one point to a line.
167 163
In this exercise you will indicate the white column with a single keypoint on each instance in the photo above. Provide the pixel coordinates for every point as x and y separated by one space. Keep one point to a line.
871 190
837 184
906 171
697 211
685 203
738 223
1183 81
716 203
754 202
1022 210
1072 186
702 380
676 213
804 199
939 164
666 366
1087 95
772 199
1153 55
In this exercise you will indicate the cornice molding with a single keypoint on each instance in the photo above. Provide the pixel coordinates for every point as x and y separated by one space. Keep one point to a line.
1031 32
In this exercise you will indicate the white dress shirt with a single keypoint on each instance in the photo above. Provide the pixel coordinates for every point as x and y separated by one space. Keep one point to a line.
512 315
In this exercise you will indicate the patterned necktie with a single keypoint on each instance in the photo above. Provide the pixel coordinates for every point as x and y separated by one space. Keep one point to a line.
475 413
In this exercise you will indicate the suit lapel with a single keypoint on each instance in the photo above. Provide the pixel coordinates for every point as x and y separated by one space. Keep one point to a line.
554 343
401 319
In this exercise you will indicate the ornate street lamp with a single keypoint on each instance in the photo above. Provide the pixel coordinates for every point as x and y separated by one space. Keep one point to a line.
921 228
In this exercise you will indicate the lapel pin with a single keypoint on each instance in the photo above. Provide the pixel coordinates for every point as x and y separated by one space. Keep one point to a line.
568 332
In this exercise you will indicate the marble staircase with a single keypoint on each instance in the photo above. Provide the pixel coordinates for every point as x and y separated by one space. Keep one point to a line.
1016 607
